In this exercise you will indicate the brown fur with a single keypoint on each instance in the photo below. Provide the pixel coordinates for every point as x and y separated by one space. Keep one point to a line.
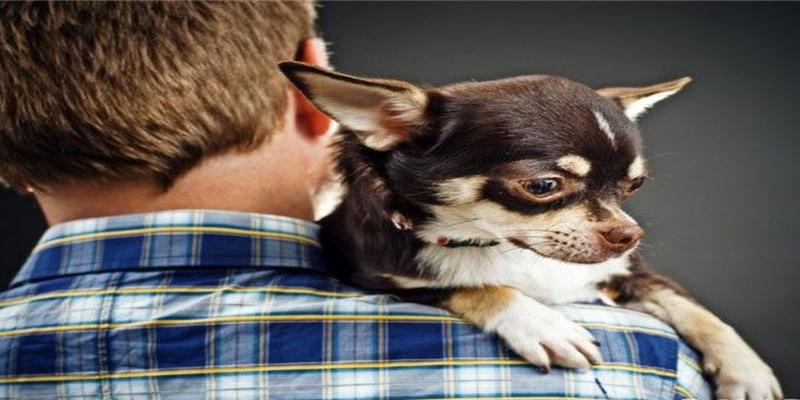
479 304
641 282
647 291
506 133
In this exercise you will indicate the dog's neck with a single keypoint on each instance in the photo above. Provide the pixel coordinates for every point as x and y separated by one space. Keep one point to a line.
359 235
545 279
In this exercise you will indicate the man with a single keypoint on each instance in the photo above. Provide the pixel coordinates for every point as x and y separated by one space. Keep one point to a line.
178 170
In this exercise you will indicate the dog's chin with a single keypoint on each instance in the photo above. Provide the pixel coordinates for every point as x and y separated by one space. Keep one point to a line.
569 255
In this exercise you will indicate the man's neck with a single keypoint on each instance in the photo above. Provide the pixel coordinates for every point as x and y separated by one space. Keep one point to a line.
248 182
91 200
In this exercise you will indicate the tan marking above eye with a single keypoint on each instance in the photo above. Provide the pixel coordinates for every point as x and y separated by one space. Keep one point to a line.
575 164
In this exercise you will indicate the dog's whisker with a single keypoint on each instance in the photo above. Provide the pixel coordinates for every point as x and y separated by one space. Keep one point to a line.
463 222
534 237
661 155
535 243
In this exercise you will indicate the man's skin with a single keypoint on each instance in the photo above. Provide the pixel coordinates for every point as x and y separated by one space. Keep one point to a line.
279 177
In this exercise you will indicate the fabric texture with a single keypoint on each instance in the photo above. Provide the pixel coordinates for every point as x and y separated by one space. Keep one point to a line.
222 305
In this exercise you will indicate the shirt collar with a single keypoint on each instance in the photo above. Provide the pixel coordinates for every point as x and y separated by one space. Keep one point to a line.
174 239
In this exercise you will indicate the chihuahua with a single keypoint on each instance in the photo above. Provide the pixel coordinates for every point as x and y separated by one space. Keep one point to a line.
494 199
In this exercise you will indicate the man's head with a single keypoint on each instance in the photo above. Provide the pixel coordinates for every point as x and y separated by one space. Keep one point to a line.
115 92
539 161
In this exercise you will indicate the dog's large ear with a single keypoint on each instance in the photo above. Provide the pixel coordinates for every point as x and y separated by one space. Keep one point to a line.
636 100
383 113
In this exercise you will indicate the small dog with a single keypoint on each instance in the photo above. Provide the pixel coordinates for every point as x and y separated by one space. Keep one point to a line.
493 199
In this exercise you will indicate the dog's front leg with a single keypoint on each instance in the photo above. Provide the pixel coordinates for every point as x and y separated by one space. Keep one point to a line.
537 333
738 372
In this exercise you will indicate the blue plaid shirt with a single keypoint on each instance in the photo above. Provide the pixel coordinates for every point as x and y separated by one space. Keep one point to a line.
217 305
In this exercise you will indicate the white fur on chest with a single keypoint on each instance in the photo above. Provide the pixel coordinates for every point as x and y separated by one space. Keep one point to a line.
545 279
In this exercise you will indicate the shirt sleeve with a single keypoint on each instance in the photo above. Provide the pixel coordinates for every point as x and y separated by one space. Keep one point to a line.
691 383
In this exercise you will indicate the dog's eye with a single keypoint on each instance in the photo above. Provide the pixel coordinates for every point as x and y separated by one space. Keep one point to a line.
636 184
543 187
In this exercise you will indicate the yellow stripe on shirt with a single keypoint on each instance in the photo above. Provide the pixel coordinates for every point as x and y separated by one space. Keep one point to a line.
296 367
159 290
234 319
174 229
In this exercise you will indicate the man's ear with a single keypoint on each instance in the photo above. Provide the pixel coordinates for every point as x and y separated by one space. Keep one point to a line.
308 119
636 100
383 113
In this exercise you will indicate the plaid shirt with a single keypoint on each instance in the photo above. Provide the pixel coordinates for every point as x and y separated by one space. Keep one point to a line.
217 305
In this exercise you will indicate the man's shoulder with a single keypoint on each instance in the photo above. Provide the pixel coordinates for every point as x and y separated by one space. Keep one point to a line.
283 325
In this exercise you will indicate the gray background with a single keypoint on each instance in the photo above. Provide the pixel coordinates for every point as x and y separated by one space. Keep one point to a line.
721 212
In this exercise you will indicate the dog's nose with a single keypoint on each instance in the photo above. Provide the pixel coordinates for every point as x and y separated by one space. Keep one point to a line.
621 237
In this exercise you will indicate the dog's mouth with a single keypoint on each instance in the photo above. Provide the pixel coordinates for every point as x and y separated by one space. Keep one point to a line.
575 255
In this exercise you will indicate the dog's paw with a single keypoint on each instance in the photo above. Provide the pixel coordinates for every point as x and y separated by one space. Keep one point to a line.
544 337
739 373
747 380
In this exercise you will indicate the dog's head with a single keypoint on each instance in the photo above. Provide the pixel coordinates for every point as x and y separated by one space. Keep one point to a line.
539 161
